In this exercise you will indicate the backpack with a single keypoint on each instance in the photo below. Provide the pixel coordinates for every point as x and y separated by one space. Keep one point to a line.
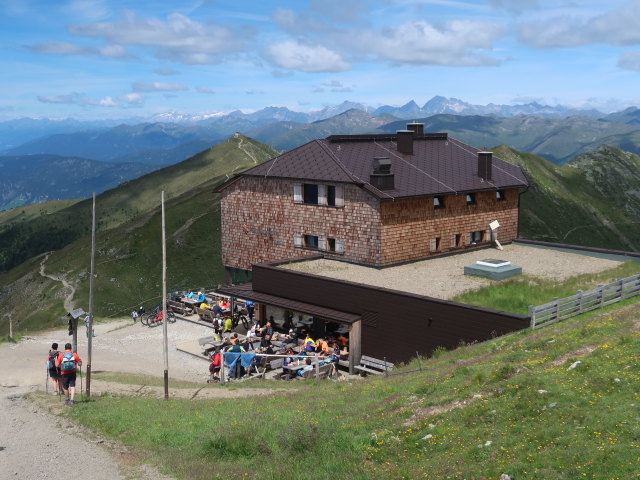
68 363
51 363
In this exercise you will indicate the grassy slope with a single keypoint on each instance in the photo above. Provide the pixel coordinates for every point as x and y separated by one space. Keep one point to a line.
128 255
591 200
510 405
130 199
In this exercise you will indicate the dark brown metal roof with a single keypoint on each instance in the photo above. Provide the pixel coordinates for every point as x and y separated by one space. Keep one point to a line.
246 292
439 165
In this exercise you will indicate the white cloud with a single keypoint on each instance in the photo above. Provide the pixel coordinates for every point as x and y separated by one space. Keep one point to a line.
88 9
76 98
333 86
630 61
179 38
107 102
65 48
132 98
295 55
158 87
456 43
620 26
206 90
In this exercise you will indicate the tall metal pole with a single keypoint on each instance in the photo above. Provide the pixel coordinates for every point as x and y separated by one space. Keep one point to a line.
90 323
165 316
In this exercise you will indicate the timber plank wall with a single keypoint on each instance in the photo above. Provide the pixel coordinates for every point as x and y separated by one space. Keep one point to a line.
395 324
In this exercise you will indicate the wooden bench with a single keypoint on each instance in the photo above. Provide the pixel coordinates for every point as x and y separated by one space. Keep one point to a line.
373 365
177 307
205 315
325 370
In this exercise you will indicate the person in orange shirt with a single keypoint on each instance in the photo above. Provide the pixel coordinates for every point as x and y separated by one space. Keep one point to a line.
67 362
322 347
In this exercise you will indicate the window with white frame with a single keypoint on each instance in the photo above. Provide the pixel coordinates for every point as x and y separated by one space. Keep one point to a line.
318 194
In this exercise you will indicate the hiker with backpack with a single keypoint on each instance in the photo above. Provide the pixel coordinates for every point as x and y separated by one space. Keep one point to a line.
54 372
67 362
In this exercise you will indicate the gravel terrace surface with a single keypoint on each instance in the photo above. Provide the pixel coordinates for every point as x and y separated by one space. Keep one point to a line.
443 277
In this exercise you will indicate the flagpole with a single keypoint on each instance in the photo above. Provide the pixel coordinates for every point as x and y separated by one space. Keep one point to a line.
165 316
90 323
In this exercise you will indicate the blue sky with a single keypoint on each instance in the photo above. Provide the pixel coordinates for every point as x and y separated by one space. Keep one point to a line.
92 59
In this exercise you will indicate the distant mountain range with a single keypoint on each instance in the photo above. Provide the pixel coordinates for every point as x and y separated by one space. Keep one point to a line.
533 128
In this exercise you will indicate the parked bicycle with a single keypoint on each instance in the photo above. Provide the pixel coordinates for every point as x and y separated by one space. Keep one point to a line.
155 317
241 317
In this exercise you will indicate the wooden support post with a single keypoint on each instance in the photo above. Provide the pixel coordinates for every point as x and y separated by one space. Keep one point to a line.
221 366
532 316
557 305
579 294
355 341
317 370
419 363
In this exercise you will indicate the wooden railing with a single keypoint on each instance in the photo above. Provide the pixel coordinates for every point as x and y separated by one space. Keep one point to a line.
561 308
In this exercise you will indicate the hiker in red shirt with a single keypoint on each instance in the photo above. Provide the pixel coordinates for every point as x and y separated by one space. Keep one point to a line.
214 368
67 362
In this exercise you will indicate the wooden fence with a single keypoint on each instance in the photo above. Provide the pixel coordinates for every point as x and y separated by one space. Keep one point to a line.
581 302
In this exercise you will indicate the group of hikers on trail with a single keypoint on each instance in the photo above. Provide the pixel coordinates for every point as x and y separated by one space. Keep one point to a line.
61 368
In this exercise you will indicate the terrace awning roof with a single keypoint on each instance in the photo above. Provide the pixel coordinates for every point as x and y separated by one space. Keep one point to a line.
246 292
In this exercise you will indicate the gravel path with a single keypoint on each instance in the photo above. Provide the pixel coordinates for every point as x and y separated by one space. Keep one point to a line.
32 438
443 277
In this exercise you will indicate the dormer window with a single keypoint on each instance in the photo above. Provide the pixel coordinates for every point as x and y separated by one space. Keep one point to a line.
471 199
438 202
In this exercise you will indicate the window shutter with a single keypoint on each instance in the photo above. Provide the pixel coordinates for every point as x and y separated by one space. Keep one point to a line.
322 243
297 193
453 241
339 246
297 241
322 194
432 244
339 197
468 239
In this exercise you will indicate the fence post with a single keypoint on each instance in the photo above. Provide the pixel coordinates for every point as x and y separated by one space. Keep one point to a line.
621 284
601 294
557 305
532 316
579 294
386 374
419 364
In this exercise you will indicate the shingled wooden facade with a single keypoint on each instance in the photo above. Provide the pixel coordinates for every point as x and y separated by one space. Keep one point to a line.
375 200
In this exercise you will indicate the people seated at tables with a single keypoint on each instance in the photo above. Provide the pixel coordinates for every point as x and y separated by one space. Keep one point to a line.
322 347
225 305
291 337
342 340
267 330
236 348
251 333
265 342
200 297
190 295
235 340
176 297
309 341
205 306
216 309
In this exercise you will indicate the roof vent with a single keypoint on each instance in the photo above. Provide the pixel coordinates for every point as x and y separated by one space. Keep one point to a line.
382 178
485 160
416 128
405 141
382 165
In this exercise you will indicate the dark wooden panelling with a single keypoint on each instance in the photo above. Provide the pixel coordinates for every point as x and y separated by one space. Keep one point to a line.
402 327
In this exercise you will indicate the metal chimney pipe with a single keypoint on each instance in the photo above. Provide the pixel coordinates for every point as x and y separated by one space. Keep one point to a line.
485 160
